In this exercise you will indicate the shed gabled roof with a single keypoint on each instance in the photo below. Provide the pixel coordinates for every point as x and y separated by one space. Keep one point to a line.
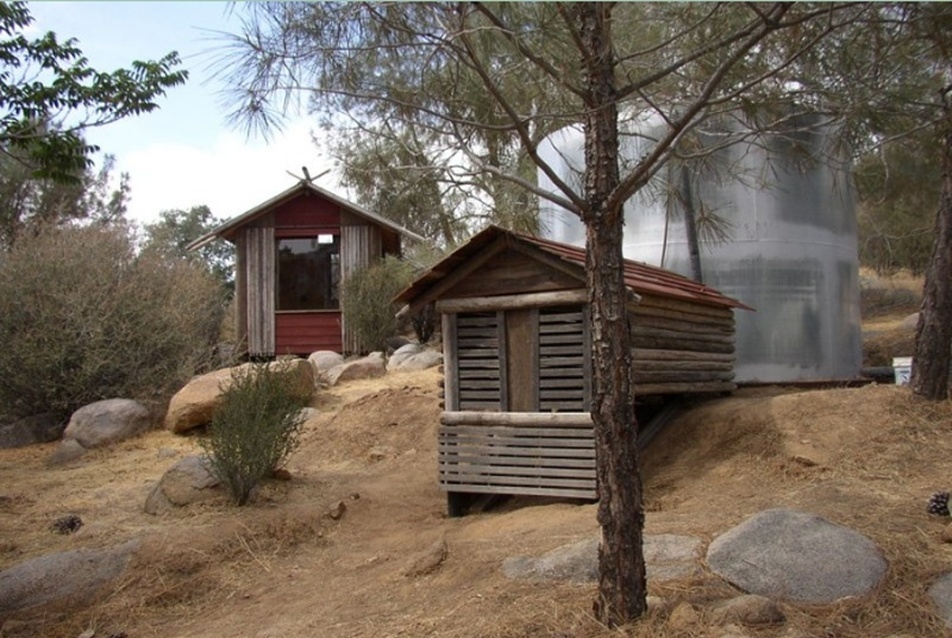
226 230
639 277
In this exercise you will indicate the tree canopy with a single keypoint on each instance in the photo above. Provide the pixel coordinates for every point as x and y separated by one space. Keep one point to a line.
49 94
176 229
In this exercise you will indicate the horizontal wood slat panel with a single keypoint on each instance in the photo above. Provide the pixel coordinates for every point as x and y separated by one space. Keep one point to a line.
562 492
525 453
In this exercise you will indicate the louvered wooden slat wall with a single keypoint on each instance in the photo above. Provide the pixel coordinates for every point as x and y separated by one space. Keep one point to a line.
563 360
478 356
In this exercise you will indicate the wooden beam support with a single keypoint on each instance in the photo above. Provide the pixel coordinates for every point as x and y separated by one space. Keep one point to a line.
513 302
558 419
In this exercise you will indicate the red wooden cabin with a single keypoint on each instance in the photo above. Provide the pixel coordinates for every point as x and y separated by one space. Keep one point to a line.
293 252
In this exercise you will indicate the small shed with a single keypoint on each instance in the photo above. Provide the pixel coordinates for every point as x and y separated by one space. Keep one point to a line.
293 252
517 364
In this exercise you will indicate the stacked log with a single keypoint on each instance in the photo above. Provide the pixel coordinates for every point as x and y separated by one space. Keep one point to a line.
680 347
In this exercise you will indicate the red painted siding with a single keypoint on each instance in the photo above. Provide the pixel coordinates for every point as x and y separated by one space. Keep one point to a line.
307 211
302 333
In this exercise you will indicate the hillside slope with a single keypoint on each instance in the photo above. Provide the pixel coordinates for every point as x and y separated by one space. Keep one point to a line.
866 457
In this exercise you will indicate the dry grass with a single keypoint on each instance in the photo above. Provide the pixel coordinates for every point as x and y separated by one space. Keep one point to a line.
281 567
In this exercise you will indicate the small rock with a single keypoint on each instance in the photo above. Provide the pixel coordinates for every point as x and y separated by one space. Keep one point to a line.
750 609
282 474
190 480
66 524
946 534
89 633
335 512
370 367
683 617
427 562
166 453
655 603
805 461
355 496
378 454
66 452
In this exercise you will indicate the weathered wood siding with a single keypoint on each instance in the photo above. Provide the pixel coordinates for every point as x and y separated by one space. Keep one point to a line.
302 333
256 281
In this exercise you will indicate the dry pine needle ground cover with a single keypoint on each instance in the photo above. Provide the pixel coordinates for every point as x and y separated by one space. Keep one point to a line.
867 458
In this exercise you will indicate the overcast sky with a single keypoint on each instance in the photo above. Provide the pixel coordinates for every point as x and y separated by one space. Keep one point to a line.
184 154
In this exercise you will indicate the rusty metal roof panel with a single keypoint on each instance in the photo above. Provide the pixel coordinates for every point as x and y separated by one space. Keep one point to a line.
639 277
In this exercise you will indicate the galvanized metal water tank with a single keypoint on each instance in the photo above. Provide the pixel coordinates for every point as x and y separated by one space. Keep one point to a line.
791 247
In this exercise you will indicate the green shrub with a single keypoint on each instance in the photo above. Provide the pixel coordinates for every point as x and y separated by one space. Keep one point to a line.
84 317
366 300
255 428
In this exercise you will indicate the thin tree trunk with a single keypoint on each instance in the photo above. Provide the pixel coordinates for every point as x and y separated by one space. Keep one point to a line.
622 585
690 224
930 374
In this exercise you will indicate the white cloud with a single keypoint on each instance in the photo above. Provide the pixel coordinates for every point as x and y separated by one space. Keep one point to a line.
230 177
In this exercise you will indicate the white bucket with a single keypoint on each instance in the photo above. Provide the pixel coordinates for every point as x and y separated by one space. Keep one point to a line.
902 369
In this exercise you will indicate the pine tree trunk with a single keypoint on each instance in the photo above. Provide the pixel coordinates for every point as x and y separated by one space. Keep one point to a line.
622 585
930 375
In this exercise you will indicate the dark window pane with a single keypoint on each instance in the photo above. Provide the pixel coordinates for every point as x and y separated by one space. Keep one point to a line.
309 273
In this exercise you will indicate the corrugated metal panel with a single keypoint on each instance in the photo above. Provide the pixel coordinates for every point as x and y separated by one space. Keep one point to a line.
259 275
360 246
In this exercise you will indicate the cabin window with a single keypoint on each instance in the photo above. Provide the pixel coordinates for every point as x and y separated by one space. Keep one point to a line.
309 273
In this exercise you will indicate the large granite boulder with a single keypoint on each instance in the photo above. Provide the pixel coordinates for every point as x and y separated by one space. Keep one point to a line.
667 557
39 428
412 358
369 367
323 361
194 405
190 480
941 594
105 422
797 556
61 581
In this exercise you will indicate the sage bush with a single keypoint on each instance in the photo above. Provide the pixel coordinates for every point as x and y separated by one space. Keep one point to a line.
255 428
85 316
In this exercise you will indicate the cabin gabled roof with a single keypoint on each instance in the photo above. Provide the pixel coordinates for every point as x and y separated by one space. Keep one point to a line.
639 277
227 229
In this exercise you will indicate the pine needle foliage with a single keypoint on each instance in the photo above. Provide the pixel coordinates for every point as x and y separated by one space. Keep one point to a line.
255 428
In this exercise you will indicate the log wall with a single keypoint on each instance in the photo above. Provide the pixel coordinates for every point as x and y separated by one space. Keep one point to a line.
680 347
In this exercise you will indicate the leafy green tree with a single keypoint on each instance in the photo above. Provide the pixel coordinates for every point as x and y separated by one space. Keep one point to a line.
898 187
474 73
49 94
176 229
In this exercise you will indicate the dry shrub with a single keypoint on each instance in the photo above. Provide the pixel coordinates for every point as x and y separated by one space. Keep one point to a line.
84 317
366 299
255 428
